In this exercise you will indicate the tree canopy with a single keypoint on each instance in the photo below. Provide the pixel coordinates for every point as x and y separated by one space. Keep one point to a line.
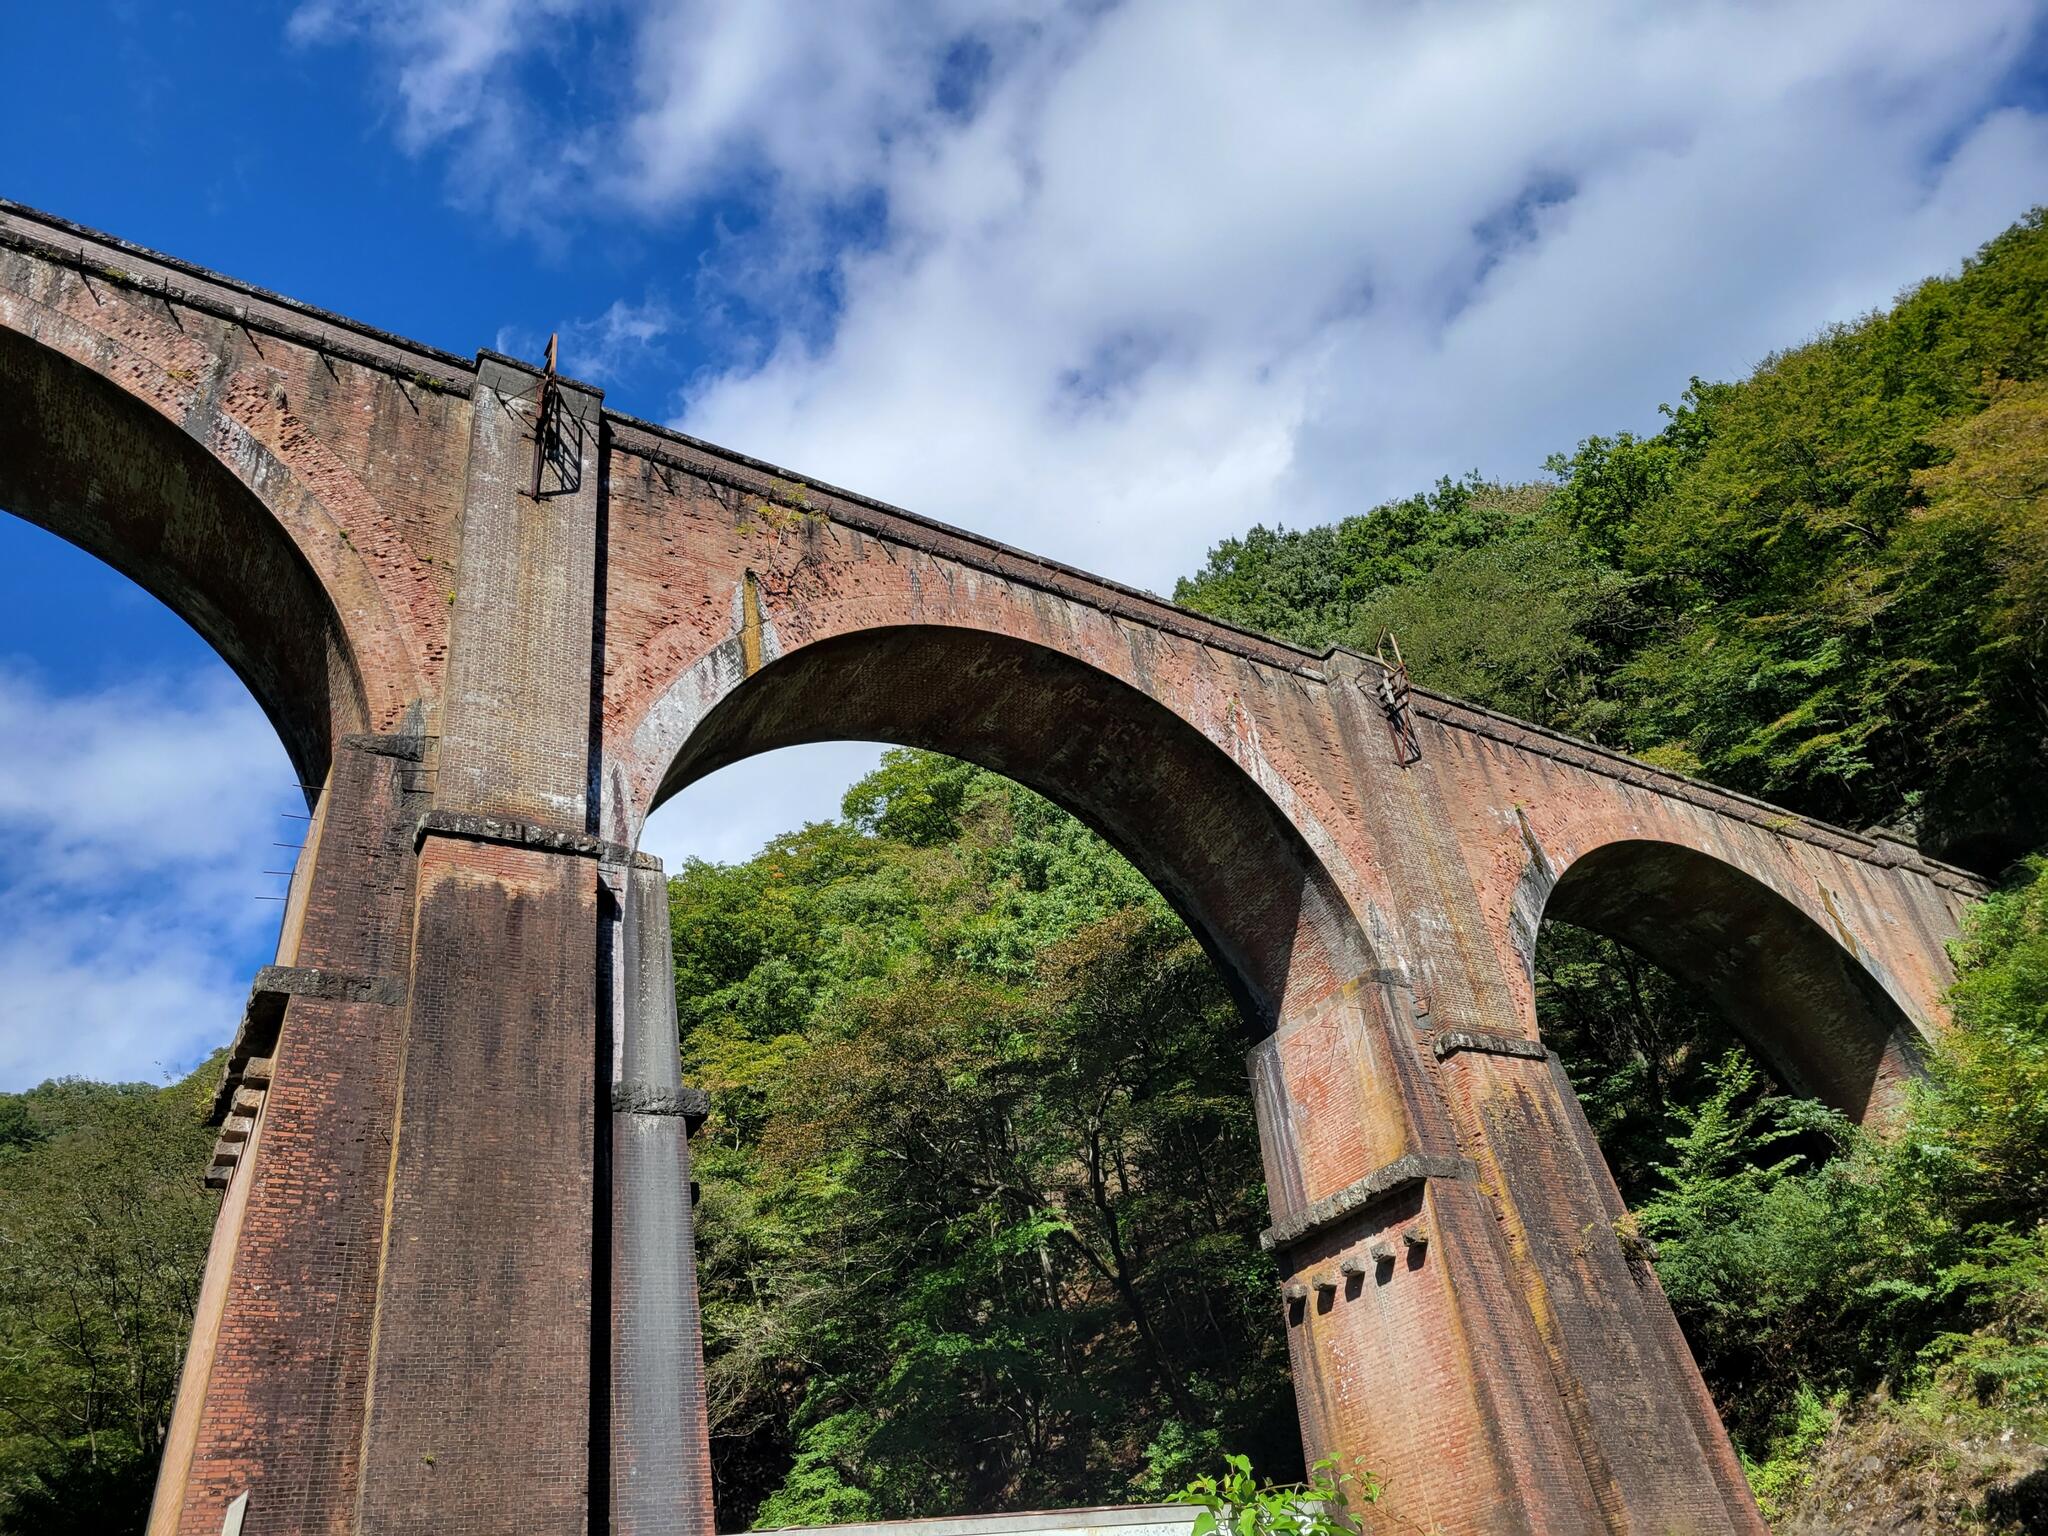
980 1190
103 1231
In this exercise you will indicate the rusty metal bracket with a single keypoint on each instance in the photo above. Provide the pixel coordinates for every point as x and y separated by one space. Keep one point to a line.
547 418
1393 694
559 432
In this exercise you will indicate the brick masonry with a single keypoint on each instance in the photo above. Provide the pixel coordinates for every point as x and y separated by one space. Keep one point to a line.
452 1287
482 1335
277 1402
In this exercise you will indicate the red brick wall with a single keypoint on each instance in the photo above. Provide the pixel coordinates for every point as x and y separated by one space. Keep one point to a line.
282 1412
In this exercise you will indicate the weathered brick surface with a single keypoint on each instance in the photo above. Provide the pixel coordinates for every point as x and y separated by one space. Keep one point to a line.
1621 1385
509 1341
1408 1366
1652 1325
278 1401
295 505
479 1411
516 740
1831 945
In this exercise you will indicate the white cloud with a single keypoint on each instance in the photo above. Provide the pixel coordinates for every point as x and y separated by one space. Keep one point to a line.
450 54
129 1008
135 823
1144 273
1308 260
1113 281
599 349
731 815
821 98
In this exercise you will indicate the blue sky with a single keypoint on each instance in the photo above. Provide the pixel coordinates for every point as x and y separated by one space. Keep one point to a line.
1111 280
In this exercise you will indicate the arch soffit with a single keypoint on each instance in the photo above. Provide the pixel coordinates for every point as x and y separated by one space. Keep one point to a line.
1777 868
1764 954
647 753
884 678
242 426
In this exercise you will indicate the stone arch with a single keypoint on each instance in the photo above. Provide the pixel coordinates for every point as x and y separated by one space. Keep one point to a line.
1192 820
1811 1007
93 459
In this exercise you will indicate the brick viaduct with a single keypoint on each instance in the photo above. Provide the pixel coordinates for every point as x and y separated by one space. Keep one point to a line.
451 1285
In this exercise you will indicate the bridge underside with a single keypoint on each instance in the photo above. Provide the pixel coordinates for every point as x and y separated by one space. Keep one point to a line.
452 1284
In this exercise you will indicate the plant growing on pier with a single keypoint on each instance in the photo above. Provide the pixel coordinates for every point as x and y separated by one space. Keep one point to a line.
1238 1503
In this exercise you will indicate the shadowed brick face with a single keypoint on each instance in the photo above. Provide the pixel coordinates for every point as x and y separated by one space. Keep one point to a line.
453 1289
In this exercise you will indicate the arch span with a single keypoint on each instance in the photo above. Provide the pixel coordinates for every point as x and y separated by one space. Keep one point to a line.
99 467
1809 1006
1188 816
1194 821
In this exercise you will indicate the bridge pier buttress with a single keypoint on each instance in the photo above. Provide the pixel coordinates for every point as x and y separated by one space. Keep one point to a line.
659 1434
272 1398
487 1342
1410 1359
1464 1317
482 1340
1463 1323
408 1323
403 1337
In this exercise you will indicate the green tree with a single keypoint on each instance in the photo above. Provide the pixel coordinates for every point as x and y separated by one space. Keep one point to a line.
982 1192
1305 585
103 1233
1523 624
1634 1041
1742 1241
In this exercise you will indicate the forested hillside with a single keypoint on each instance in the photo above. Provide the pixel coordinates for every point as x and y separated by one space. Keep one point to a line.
1826 584
981 1189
